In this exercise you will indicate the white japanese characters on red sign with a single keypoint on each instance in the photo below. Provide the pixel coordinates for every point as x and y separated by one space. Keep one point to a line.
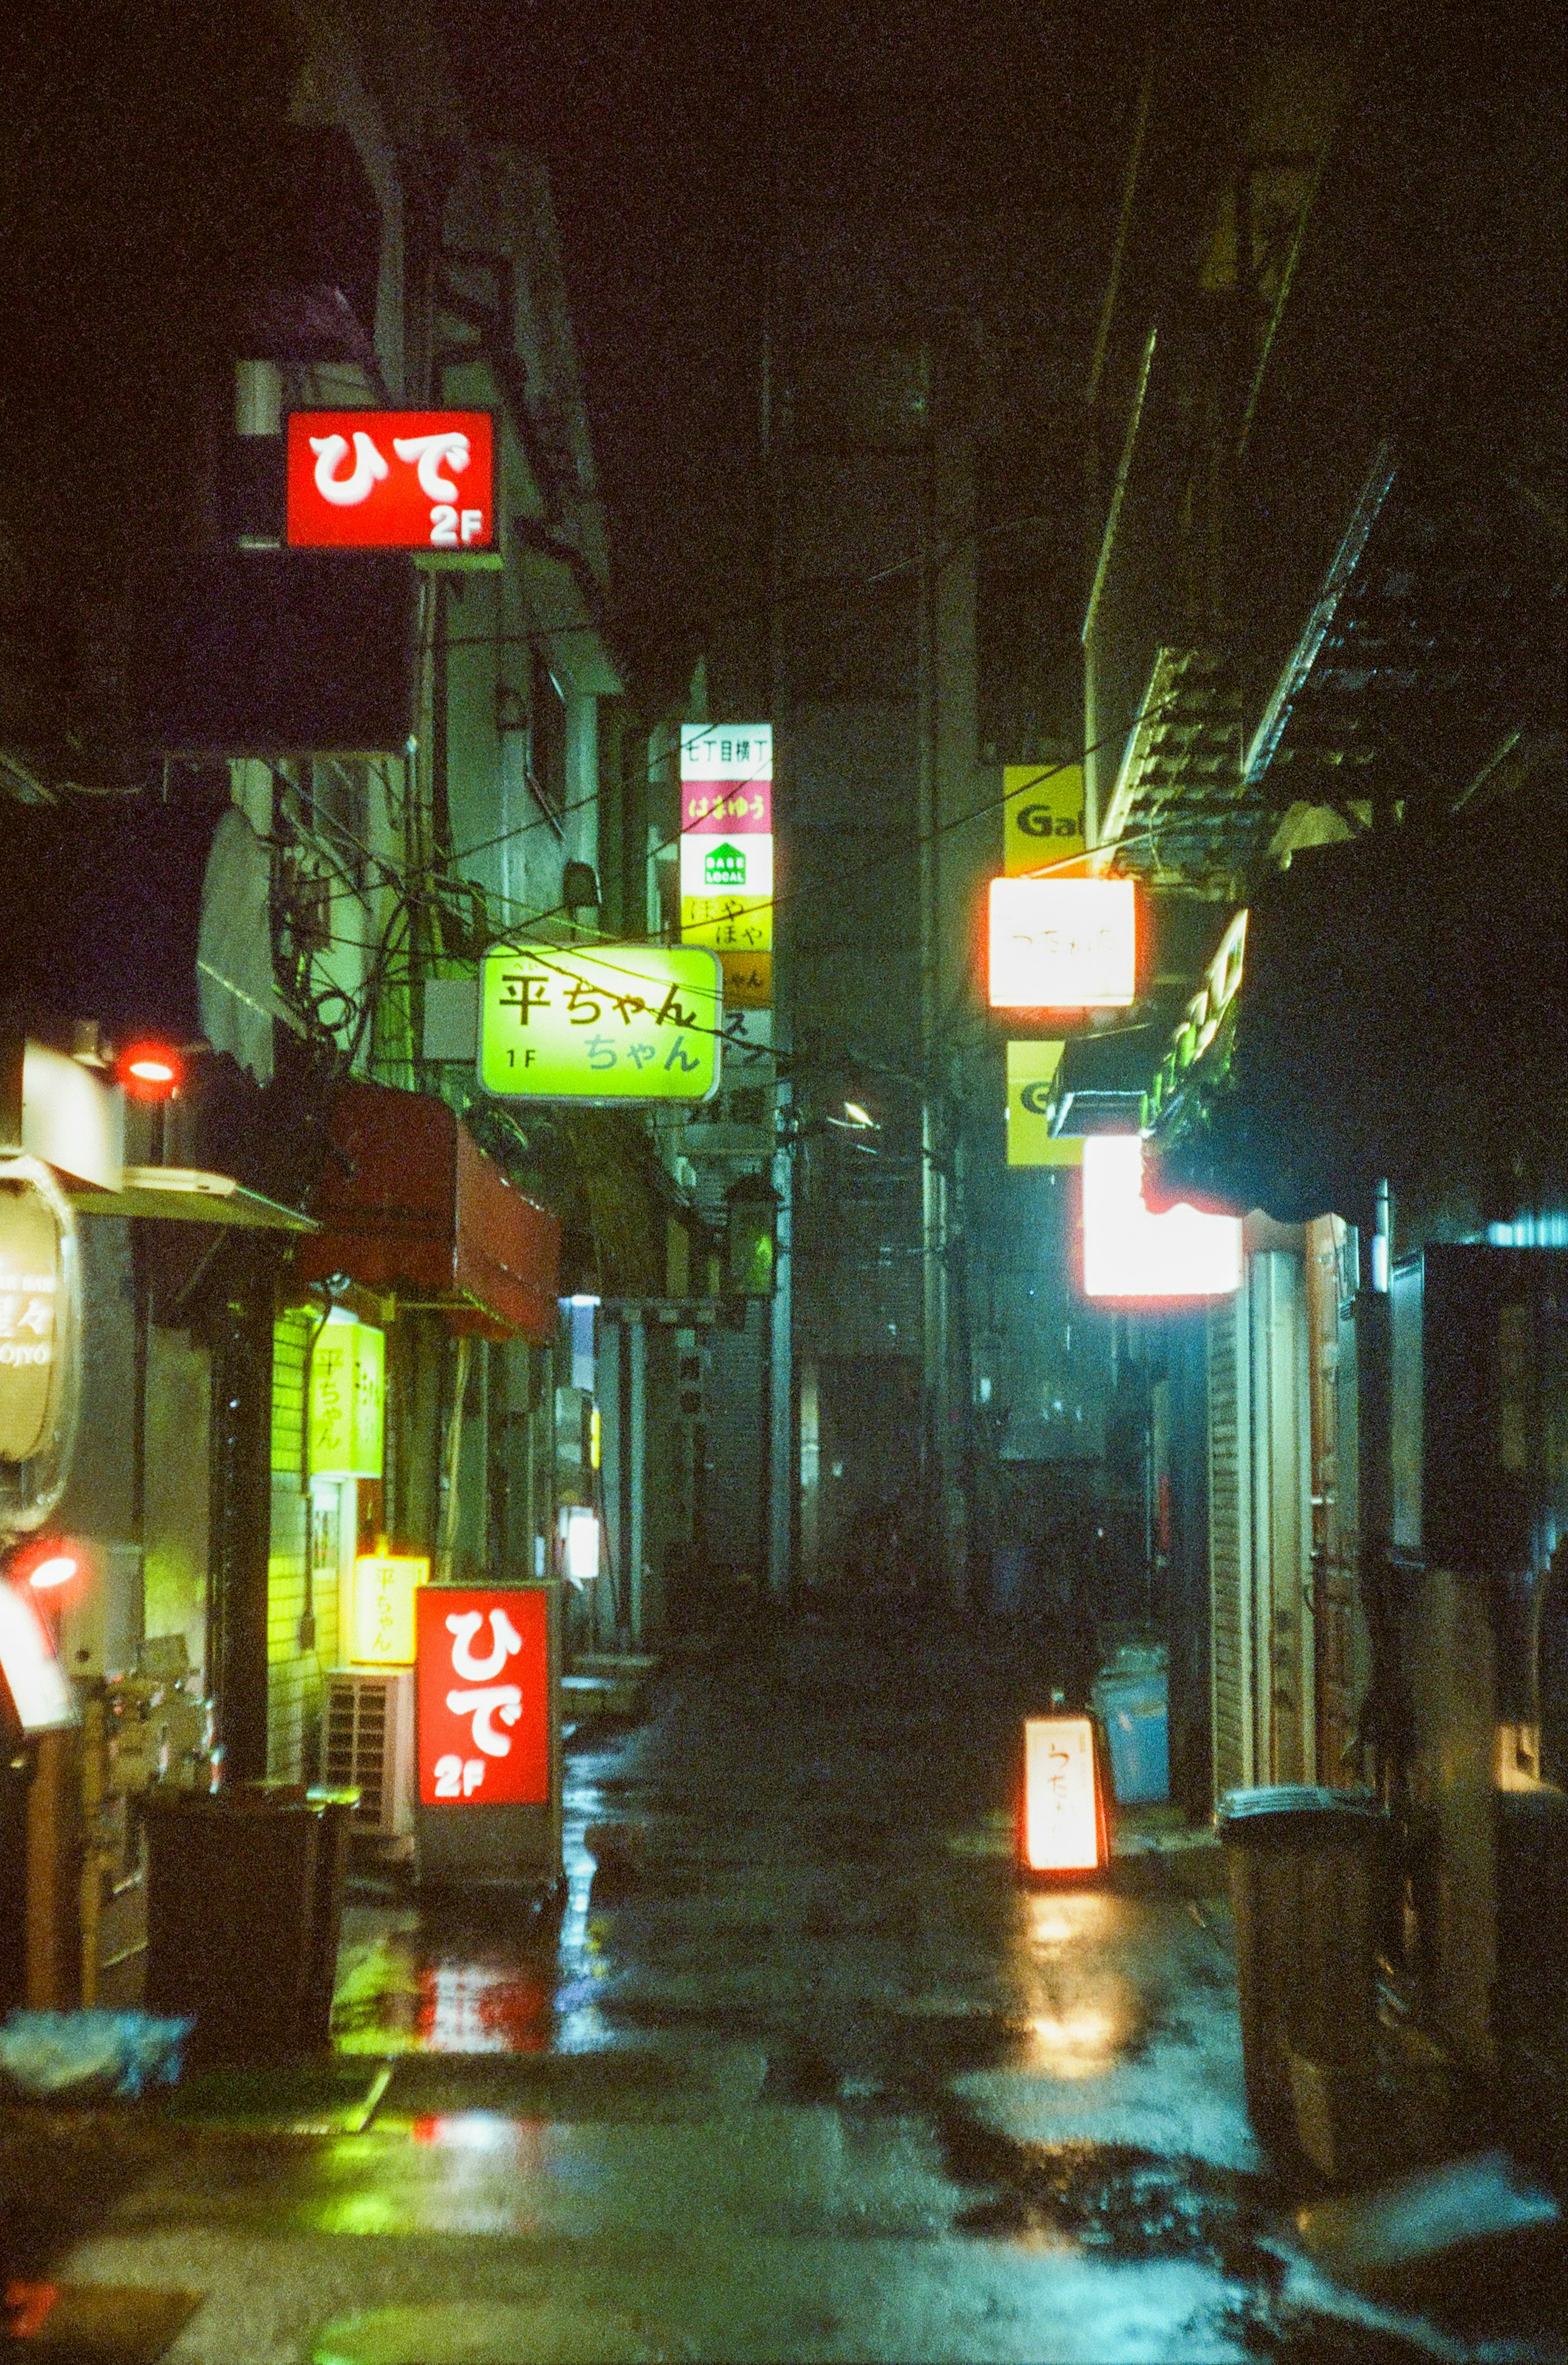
482 1685
392 480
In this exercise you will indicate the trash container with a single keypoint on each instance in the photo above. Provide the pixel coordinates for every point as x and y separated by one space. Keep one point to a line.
1306 1871
244 1902
336 1810
1131 1696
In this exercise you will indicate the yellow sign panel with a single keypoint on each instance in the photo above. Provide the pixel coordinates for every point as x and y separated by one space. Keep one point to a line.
729 924
1042 820
1031 1073
381 1630
619 1022
748 980
348 1395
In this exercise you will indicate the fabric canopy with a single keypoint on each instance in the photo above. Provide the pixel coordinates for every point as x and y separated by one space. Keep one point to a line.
1403 1013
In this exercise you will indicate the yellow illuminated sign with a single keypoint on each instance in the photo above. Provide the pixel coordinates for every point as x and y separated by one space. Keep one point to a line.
1031 1073
1042 816
729 924
29 1288
619 1022
748 980
381 1629
1062 944
348 1395
1062 1824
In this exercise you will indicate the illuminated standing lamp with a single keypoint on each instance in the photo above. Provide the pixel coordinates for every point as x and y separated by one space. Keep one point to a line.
580 1554
1062 1829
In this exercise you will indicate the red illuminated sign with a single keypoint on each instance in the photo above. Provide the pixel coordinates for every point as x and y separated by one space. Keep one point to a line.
482 1690
419 480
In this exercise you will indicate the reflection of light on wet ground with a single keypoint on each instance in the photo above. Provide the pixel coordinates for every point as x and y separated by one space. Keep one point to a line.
579 2027
412 1982
1074 2043
1079 2012
483 2008
482 2132
1066 1918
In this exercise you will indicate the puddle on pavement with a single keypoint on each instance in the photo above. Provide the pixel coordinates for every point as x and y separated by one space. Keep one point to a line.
409 1987
1125 2203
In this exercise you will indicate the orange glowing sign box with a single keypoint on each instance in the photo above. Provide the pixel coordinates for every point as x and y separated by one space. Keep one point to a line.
1062 944
1063 1825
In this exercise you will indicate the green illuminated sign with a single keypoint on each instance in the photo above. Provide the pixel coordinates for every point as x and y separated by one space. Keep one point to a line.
618 1022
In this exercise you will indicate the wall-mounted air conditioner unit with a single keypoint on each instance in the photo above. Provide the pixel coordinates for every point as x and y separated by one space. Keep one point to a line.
367 1739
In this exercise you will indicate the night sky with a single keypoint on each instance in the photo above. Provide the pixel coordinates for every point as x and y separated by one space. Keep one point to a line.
672 127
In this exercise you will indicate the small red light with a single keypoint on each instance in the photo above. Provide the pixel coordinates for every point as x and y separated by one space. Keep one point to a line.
150 1071
45 1563
59 1569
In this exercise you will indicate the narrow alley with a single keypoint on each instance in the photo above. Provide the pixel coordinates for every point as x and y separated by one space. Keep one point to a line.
804 2070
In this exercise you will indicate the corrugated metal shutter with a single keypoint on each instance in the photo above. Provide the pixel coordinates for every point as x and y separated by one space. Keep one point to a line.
1230 1542
735 1397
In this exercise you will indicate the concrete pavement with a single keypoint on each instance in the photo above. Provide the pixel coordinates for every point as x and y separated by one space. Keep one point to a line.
804 2072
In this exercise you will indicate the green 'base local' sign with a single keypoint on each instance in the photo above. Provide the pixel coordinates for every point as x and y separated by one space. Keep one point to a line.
616 1023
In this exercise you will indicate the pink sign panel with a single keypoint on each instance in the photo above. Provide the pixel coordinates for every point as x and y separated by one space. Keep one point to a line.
482 1691
727 808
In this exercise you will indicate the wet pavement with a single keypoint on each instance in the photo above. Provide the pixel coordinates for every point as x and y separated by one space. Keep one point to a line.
801 2070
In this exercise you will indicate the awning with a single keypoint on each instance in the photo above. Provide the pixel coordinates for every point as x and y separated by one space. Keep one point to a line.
188 1194
1102 1079
408 1202
1403 1011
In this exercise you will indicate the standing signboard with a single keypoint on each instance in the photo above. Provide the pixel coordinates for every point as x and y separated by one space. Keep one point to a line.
488 1719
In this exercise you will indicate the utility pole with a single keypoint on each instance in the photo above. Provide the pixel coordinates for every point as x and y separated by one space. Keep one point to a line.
935 1144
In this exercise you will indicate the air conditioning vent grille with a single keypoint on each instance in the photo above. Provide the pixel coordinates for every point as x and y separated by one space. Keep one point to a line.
366 1741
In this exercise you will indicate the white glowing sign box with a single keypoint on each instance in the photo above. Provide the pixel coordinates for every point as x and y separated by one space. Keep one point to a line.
725 866
1130 1252
1062 944
1063 1824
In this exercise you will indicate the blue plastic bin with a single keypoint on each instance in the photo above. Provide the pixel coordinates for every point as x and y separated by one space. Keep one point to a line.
1135 1710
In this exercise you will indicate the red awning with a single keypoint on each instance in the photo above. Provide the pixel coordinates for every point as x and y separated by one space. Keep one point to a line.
409 1202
